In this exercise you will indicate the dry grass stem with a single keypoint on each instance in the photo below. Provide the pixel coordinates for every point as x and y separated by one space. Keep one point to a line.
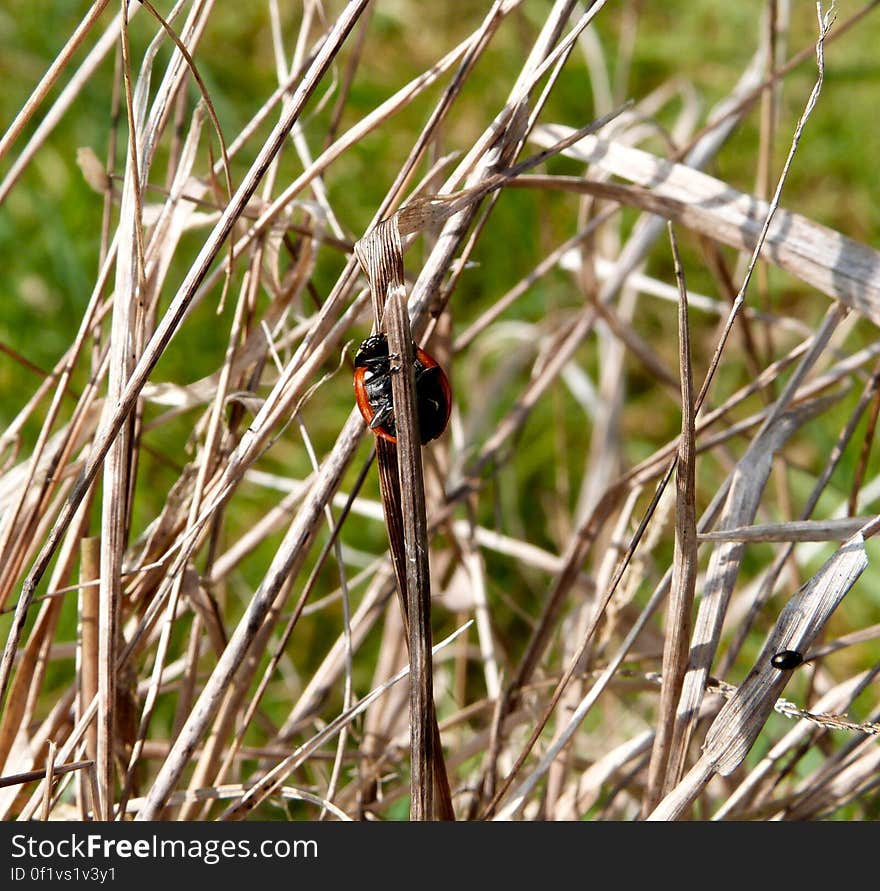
684 567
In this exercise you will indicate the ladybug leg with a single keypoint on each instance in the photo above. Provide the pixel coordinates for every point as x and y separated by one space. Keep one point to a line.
377 365
383 415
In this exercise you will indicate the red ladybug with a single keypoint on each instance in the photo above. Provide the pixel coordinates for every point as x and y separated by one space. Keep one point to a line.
372 390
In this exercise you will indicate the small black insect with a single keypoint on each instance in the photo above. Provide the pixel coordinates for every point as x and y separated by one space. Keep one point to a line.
786 660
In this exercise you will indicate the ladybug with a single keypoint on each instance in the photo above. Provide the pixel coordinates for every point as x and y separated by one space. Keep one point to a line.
372 390
786 660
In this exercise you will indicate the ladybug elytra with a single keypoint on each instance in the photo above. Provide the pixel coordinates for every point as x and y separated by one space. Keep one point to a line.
372 390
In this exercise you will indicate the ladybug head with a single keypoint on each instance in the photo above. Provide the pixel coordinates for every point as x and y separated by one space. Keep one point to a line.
373 351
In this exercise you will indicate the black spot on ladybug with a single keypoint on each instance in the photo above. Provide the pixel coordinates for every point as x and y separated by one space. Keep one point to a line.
786 660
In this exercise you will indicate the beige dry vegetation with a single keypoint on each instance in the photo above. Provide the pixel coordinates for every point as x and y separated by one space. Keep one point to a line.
221 600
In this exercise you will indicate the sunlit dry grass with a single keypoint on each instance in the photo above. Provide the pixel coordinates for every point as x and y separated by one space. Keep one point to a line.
648 487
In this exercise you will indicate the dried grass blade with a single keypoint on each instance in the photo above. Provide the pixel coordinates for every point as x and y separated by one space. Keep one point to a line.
267 784
742 502
737 726
127 332
684 570
327 674
48 451
741 719
851 778
415 543
835 700
88 635
172 318
284 564
205 467
211 696
32 775
63 102
50 782
832 529
380 253
30 674
208 794
823 258
634 252
49 78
